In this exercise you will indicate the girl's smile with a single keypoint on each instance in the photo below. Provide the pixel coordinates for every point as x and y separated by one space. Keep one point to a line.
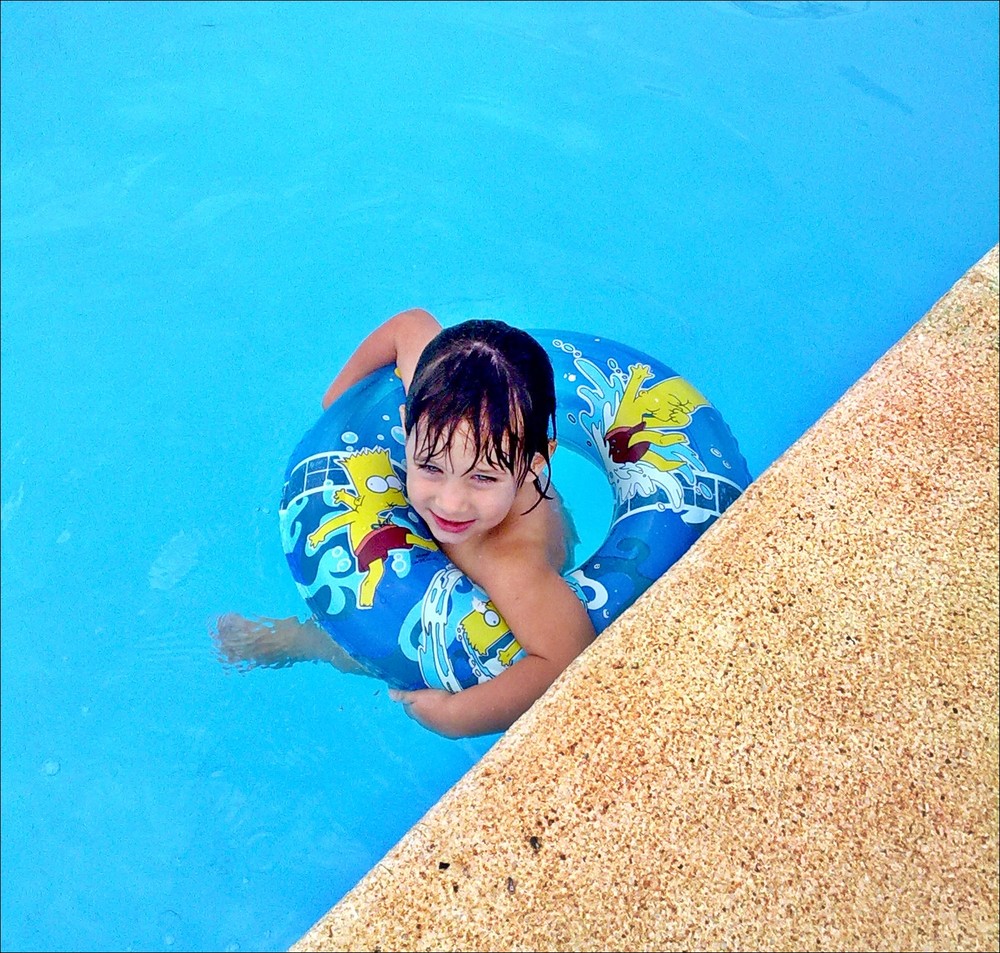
451 526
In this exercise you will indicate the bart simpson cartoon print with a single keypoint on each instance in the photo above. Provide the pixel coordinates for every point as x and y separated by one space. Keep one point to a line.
667 404
376 492
483 630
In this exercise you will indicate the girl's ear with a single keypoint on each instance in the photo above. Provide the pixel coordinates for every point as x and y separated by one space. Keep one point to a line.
402 416
537 467
538 461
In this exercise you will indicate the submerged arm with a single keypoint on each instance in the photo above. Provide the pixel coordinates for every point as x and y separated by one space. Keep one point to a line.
400 340
275 643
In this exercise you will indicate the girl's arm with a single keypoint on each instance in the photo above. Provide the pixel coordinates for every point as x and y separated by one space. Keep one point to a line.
552 626
274 643
400 340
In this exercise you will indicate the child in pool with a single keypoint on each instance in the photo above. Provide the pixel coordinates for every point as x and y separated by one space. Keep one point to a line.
479 400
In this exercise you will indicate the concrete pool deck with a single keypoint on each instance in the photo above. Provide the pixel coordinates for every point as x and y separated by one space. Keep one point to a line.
790 742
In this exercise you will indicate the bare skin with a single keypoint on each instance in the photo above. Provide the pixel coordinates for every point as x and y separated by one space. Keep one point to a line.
277 643
515 553
486 522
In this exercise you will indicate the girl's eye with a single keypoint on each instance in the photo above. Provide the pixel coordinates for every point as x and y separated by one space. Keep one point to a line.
429 468
483 478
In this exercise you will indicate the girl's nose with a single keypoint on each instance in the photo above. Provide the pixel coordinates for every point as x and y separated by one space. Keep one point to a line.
450 499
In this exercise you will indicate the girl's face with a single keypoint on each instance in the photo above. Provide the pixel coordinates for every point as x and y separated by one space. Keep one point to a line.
459 497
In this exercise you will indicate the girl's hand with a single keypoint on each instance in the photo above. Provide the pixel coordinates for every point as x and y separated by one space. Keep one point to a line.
428 707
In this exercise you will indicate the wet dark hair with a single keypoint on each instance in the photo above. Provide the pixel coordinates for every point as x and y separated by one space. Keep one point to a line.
498 380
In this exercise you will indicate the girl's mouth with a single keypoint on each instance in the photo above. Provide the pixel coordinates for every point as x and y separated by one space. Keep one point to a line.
450 526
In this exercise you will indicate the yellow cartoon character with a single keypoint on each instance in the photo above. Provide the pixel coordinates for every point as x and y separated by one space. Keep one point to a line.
483 629
370 532
668 404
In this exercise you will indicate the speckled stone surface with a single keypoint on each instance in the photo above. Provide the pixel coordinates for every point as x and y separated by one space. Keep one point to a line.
790 743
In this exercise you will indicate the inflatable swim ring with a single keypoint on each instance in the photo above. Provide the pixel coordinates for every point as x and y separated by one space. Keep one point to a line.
369 569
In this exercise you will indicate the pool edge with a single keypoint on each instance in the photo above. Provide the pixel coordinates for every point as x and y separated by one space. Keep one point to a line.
790 742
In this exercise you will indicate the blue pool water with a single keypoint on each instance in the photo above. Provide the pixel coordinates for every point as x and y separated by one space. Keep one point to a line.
206 205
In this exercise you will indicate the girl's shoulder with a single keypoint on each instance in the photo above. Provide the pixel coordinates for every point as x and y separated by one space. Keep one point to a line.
537 538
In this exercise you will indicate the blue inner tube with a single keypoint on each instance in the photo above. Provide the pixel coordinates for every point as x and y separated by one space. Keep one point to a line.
367 565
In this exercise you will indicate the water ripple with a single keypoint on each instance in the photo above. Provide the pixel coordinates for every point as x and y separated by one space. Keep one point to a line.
802 10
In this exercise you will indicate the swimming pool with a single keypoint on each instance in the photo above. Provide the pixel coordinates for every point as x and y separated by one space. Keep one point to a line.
205 205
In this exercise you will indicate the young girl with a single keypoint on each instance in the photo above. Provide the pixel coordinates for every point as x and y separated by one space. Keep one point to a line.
480 398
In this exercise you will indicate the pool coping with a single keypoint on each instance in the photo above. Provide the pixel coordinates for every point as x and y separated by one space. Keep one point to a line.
790 742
